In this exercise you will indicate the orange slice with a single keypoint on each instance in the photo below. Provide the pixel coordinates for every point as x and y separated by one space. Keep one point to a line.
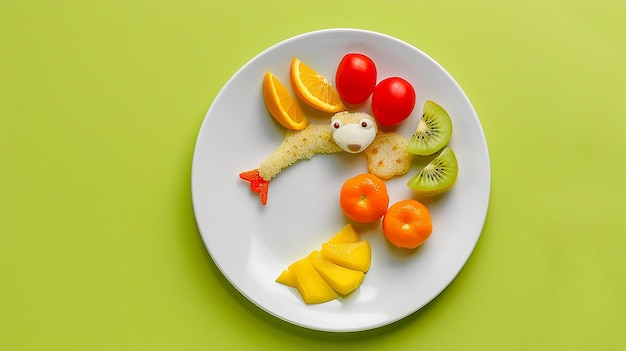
313 88
281 105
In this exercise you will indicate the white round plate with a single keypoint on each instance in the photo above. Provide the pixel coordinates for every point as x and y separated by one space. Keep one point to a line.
251 244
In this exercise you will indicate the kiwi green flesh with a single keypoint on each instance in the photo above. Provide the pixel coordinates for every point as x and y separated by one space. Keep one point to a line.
433 131
438 176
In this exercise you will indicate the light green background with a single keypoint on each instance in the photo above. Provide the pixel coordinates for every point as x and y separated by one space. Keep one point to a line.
100 105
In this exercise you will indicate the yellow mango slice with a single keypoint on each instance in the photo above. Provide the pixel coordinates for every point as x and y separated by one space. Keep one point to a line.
347 234
343 280
355 256
311 286
286 278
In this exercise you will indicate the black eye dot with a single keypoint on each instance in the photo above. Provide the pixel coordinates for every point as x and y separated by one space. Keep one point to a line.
336 125
364 124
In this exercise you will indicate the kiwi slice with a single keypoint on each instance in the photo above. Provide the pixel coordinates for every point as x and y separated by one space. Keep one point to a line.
433 131
438 176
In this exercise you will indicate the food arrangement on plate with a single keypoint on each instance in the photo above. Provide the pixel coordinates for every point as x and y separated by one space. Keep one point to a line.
251 244
339 267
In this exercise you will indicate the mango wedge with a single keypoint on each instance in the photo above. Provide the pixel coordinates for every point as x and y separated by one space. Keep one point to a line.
355 256
343 280
286 277
337 269
347 234
311 286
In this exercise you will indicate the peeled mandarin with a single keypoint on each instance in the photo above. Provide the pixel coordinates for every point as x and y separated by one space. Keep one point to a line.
364 198
407 224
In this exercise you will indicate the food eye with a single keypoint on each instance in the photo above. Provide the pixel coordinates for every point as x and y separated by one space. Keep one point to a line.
336 124
366 123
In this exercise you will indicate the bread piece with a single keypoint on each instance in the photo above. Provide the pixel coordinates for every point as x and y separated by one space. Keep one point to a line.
298 145
387 156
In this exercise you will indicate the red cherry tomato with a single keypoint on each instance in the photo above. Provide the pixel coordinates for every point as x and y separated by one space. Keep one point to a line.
393 100
356 78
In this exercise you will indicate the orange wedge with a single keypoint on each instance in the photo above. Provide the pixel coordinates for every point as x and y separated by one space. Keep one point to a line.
313 88
281 105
